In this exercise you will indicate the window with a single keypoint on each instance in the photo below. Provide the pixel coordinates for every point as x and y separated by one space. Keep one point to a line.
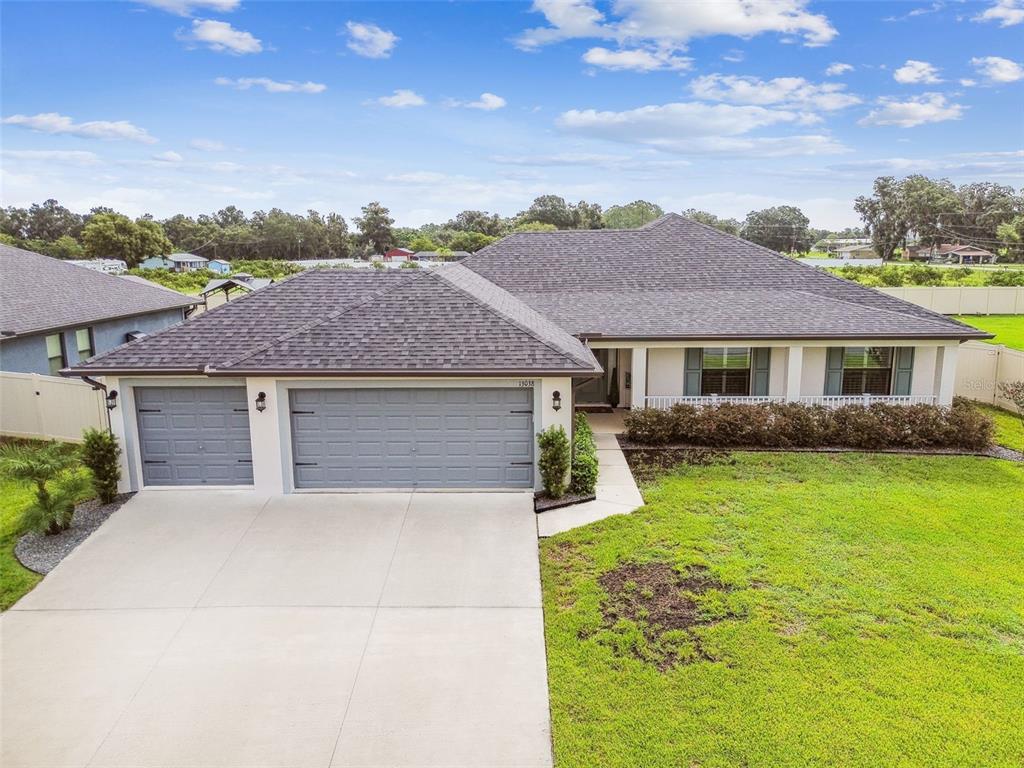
725 371
83 341
867 370
55 353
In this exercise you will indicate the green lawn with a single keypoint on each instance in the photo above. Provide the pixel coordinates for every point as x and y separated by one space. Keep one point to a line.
874 616
1009 329
15 579
1009 429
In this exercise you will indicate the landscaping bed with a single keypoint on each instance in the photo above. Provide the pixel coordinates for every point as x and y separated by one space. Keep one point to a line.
768 609
41 553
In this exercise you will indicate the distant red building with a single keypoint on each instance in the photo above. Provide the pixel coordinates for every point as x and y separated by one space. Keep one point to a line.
398 254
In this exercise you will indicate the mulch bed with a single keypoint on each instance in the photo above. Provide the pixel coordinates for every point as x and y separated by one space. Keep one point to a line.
595 408
41 553
544 503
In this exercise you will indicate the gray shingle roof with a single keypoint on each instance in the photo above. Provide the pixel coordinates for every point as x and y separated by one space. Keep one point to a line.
680 279
346 322
39 293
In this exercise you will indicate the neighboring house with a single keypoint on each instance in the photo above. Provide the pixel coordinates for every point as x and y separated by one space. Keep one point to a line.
398 254
831 245
951 254
441 378
242 282
107 266
54 314
219 266
857 251
176 262
435 256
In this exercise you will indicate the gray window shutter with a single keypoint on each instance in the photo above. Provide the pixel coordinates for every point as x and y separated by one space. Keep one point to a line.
694 362
834 371
904 370
760 365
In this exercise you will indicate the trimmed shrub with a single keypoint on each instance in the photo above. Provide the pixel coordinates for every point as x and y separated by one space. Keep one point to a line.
793 425
584 457
100 453
554 460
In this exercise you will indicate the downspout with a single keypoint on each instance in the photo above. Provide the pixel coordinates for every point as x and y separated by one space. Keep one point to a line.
97 387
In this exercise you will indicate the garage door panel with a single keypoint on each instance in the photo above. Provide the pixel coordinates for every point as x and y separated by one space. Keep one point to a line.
412 437
194 435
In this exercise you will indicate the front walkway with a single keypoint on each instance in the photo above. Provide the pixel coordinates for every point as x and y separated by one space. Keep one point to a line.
222 628
617 493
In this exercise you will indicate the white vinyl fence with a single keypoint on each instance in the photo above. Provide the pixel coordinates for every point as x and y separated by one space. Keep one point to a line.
48 407
982 367
969 300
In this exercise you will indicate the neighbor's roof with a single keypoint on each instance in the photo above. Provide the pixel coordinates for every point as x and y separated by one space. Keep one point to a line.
186 257
347 322
39 293
678 279
251 284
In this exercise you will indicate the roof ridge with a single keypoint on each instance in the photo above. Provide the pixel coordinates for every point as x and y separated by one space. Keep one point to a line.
505 316
311 324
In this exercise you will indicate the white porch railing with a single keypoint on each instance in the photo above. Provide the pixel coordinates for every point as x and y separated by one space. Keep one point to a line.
829 401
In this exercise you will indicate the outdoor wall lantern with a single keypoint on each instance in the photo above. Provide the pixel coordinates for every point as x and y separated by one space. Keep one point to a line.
556 400
261 402
111 399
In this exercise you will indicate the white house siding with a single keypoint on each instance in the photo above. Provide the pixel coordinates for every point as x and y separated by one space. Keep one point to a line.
777 372
666 372
812 377
922 380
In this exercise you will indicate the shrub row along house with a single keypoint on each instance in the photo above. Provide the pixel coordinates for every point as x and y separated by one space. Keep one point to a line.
441 378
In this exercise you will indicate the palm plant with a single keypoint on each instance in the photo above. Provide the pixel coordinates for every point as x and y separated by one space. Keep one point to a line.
59 483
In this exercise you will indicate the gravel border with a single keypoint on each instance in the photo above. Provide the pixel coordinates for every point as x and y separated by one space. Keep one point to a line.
41 553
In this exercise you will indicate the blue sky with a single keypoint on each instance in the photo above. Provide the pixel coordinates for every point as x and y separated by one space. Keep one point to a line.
173 106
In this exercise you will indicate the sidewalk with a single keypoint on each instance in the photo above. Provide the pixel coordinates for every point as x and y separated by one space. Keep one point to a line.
617 493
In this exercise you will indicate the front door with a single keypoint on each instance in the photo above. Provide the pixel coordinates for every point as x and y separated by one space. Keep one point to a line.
594 391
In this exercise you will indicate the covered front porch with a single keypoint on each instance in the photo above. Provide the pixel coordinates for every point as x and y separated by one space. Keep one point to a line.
660 374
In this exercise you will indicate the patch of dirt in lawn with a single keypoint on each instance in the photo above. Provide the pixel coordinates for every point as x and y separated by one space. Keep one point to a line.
664 603
649 464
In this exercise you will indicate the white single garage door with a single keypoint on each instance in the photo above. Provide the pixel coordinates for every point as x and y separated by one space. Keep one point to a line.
412 438
194 435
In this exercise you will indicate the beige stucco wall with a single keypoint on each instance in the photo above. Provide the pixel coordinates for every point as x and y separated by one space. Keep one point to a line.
666 372
812 377
922 382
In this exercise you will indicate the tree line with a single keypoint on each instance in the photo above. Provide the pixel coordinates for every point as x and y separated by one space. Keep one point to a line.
930 211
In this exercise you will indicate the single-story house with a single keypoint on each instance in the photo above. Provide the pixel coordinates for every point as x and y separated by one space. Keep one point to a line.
54 314
831 245
857 251
435 379
176 262
951 253
219 266
398 254
109 266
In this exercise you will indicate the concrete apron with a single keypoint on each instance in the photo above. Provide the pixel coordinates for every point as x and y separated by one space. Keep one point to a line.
199 628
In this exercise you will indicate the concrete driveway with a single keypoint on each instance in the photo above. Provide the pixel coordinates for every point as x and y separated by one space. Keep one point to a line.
220 628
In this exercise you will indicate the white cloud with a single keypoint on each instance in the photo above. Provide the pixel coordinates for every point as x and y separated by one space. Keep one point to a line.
69 157
636 59
735 55
207 145
1007 12
790 92
674 24
271 86
168 157
837 68
401 98
52 122
488 102
220 36
967 82
369 40
998 69
927 108
186 7
916 72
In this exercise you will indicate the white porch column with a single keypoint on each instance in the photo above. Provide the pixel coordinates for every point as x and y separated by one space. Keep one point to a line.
119 429
794 373
945 373
265 433
638 374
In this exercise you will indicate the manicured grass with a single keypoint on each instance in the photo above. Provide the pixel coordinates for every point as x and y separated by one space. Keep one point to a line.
1009 429
15 579
1009 329
875 617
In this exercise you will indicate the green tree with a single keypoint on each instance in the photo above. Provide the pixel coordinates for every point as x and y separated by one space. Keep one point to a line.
983 207
884 215
632 215
781 228
535 226
50 220
64 247
587 216
470 241
490 224
422 243
549 209
113 235
375 227
929 207
1011 234
729 226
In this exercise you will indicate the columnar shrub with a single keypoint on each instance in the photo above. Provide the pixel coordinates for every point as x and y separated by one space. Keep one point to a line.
100 453
584 457
554 460
785 425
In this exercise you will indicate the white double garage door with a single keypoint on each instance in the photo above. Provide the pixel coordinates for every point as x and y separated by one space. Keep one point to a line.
344 438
